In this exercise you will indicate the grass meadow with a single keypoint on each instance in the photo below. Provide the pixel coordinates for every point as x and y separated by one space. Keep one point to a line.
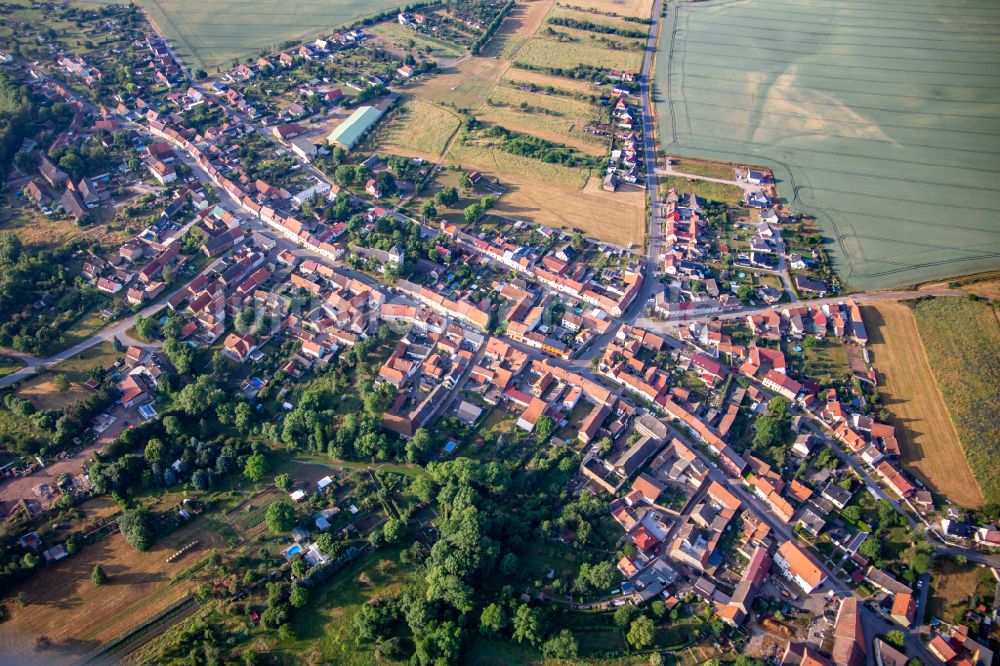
878 119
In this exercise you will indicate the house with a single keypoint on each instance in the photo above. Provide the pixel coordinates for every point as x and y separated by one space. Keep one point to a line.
164 173
806 284
799 566
72 204
34 192
286 131
133 391
52 174
848 636
373 189
529 417
903 607
239 347
782 384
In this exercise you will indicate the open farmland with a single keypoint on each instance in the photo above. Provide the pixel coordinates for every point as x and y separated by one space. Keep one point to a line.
880 118
547 52
637 8
930 446
419 129
962 341
211 33
76 616
553 117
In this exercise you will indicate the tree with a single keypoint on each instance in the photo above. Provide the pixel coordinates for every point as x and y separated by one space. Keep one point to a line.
472 212
544 426
527 624
561 646
145 327
492 620
280 516
508 565
98 575
641 632
61 382
872 547
256 467
154 451
299 596
394 530
428 211
134 525
577 240
851 514
744 292
625 614
896 638
465 181
283 481
656 659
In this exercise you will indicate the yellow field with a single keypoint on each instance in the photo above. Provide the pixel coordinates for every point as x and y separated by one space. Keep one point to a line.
486 158
564 122
419 129
521 23
541 52
637 8
929 443
518 76
615 217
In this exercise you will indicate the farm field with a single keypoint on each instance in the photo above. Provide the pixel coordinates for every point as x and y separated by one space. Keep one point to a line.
76 616
419 129
617 217
880 119
638 8
543 52
930 445
212 33
553 117
549 194
962 341
522 22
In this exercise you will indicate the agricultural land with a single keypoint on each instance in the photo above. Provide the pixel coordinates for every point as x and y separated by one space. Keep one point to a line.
213 33
962 340
875 119
909 385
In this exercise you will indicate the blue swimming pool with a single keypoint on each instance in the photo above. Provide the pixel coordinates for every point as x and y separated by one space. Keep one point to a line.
293 551
450 446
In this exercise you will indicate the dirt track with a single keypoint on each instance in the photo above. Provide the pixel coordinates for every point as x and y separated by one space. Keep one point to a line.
928 440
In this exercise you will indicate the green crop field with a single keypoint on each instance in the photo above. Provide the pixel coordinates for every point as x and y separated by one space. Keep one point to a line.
879 119
211 33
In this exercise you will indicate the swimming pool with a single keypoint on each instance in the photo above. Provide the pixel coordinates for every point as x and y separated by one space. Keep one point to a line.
293 550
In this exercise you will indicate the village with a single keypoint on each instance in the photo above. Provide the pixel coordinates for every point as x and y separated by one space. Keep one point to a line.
271 285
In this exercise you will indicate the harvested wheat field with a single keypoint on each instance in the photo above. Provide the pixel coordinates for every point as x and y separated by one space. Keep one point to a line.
75 616
419 129
636 8
521 23
929 443
617 217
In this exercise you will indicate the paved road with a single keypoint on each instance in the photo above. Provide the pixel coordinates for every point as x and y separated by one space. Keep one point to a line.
673 324
649 163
